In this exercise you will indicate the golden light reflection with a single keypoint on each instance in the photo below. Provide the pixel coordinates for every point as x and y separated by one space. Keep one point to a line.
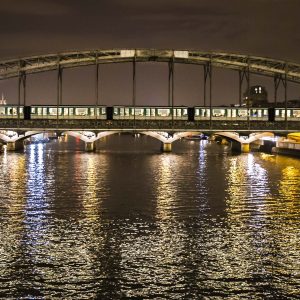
166 190
289 185
12 202
247 190
94 186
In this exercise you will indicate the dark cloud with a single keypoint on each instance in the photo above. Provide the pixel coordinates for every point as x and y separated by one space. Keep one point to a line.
258 27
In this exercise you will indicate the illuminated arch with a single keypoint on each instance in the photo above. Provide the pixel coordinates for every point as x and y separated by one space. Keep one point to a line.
43 63
167 138
252 138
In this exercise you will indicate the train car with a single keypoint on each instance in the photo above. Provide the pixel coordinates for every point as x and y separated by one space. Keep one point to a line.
10 112
230 113
150 113
67 112
293 114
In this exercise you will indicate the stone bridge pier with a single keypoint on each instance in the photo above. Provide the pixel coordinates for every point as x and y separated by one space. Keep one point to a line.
242 144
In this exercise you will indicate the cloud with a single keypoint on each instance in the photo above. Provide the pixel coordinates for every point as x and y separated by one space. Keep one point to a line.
33 8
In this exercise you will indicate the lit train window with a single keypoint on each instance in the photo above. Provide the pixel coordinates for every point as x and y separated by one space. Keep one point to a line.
92 111
122 111
44 111
2 110
185 111
33 110
179 112
197 112
296 113
103 111
139 112
40 111
242 113
52 111
66 111
218 112
71 111
163 112
148 112
206 113
81 111
153 112
126 111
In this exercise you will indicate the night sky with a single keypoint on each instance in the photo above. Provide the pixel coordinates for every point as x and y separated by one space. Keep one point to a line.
268 28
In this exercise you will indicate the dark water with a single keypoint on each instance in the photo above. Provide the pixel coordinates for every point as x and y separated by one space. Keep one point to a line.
131 222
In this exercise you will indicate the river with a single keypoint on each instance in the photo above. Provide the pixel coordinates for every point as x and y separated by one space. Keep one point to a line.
130 222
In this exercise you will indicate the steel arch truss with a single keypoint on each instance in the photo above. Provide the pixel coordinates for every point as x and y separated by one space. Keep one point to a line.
259 65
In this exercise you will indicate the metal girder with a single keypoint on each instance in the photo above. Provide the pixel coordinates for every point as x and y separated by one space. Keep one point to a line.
43 63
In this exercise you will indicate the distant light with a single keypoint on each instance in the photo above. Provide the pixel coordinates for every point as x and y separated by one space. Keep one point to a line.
127 53
181 54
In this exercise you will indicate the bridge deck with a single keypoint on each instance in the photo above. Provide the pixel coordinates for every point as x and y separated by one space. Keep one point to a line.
144 125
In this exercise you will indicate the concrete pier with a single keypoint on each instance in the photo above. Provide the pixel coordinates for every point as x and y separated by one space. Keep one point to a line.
166 147
245 148
90 146
15 146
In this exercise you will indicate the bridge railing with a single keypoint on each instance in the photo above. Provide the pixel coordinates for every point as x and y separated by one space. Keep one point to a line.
50 124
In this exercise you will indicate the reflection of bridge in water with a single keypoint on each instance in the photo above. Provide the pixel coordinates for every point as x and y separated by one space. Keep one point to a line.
18 124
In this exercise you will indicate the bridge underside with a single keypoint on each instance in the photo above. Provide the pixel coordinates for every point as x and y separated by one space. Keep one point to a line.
166 132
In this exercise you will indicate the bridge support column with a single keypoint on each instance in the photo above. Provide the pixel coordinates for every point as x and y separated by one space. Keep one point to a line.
245 148
15 146
166 147
90 146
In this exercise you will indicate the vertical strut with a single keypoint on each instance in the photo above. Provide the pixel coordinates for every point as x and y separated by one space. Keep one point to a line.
206 72
24 87
19 97
241 77
60 84
97 88
210 93
59 92
285 99
172 92
277 79
134 86
248 94
169 82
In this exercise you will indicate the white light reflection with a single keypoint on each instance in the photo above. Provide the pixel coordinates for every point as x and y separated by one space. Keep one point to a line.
37 206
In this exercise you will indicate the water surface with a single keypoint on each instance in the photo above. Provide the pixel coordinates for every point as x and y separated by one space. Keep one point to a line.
131 222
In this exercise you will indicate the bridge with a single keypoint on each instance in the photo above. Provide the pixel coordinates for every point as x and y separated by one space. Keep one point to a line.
15 130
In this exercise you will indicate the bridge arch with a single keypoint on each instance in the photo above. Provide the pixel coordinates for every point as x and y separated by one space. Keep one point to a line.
243 144
14 136
255 64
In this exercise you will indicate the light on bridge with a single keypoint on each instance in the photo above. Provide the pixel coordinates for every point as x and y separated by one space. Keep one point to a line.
181 54
127 53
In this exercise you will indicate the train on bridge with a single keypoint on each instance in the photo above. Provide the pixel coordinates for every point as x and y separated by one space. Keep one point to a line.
183 113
